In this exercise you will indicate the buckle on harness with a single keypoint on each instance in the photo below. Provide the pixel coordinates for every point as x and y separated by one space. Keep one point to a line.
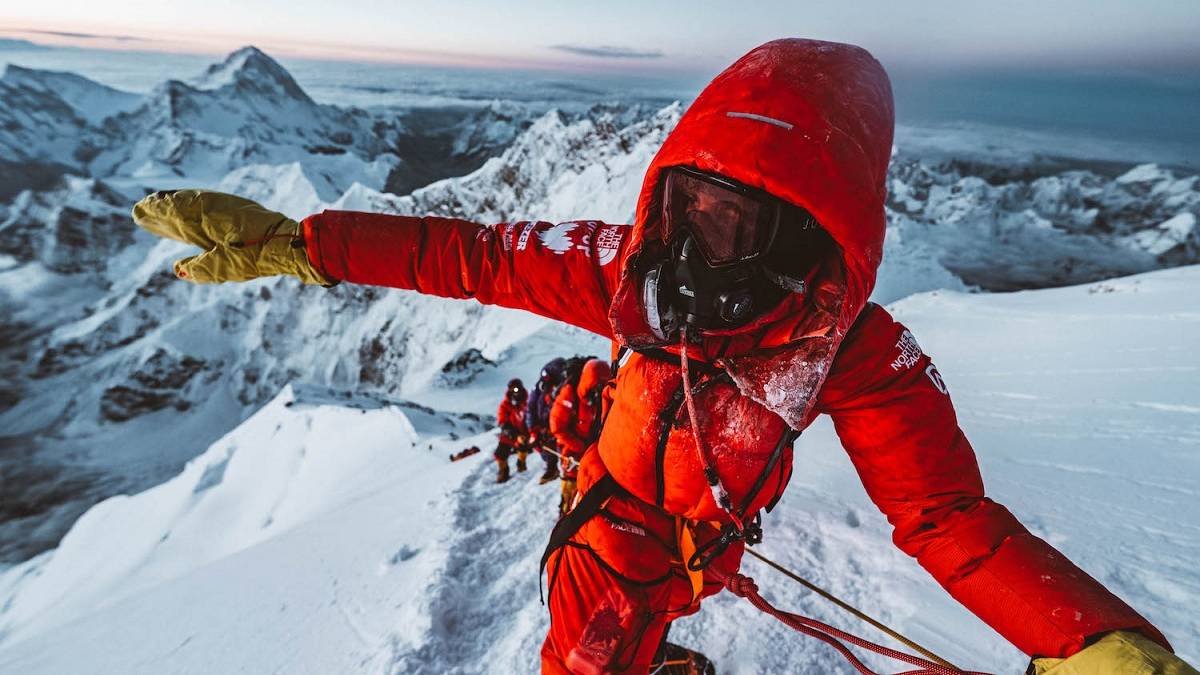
750 534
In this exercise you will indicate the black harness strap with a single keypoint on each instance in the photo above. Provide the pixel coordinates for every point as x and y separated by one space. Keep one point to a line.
566 527
785 441
667 419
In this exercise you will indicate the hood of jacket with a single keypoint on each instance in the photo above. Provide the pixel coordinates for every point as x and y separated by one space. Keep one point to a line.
810 122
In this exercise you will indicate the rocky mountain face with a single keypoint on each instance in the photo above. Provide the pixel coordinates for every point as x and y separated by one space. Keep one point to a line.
42 134
247 110
114 373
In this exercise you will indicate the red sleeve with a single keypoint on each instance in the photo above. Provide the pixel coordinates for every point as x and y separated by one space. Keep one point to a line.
564 271
562 423
893 415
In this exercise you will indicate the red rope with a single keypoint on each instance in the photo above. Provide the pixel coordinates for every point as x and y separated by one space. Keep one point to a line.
719 493
743 586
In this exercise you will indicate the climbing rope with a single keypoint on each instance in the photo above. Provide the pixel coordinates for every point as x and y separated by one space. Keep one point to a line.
571 461
744 587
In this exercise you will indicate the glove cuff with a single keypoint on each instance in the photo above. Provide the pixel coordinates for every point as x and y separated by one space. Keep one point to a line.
287 253
310 234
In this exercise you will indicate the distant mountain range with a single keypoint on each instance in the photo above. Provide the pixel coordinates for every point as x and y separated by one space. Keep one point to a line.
113 374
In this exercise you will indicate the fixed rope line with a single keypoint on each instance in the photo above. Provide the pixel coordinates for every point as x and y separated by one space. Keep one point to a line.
852 609
571 460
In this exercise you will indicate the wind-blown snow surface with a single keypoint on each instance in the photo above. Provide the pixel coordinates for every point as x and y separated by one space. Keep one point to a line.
329 535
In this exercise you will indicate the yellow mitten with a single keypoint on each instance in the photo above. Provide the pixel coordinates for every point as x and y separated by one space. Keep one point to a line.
241 239
1118 653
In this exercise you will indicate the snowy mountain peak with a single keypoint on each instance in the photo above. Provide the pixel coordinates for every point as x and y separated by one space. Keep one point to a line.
249 68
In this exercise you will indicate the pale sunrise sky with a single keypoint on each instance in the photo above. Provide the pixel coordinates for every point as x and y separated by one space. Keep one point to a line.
629 35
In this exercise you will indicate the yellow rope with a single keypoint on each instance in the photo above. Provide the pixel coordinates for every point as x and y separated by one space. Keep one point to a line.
850 608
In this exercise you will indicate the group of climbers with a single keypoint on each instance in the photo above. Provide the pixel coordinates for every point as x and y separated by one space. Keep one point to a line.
559 421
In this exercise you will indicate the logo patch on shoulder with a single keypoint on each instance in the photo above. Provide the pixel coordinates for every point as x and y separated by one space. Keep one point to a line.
607 242
909 352
936 378
557 238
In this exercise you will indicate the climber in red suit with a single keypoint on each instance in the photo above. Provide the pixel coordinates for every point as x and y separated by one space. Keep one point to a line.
575 419
514 437
753 252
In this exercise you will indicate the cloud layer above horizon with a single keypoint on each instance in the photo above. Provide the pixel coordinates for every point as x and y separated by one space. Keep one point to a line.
609 52
639 35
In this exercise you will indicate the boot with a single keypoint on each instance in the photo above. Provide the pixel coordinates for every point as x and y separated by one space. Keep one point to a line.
502 476
672 659
551 472
568 496
521 461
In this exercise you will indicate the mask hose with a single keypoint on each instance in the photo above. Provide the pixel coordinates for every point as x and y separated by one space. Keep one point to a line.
719 493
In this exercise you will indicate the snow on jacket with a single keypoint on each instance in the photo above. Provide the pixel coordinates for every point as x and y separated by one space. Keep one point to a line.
511 420
810 122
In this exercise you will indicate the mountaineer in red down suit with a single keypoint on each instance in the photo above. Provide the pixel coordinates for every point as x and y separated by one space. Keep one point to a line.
755 245
575 420
514 437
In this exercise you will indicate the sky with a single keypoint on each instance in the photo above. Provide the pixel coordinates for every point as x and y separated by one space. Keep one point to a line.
628 35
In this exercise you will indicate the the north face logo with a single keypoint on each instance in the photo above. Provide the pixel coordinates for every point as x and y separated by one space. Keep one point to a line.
909 352
608 242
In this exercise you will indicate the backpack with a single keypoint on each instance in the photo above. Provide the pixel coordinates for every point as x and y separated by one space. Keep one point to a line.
572 369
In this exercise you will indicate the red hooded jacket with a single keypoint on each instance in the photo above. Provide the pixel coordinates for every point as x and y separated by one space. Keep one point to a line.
810 122
510 416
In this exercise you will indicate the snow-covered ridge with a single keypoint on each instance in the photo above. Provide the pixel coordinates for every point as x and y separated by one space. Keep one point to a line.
156 369
92 101
41 134
556 170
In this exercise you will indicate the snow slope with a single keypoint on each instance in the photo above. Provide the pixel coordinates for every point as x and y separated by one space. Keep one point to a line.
331 535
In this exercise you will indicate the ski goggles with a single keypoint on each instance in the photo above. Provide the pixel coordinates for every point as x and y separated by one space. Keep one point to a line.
730 222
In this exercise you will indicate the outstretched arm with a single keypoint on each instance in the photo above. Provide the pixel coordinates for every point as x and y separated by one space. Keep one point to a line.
893 415
564 271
